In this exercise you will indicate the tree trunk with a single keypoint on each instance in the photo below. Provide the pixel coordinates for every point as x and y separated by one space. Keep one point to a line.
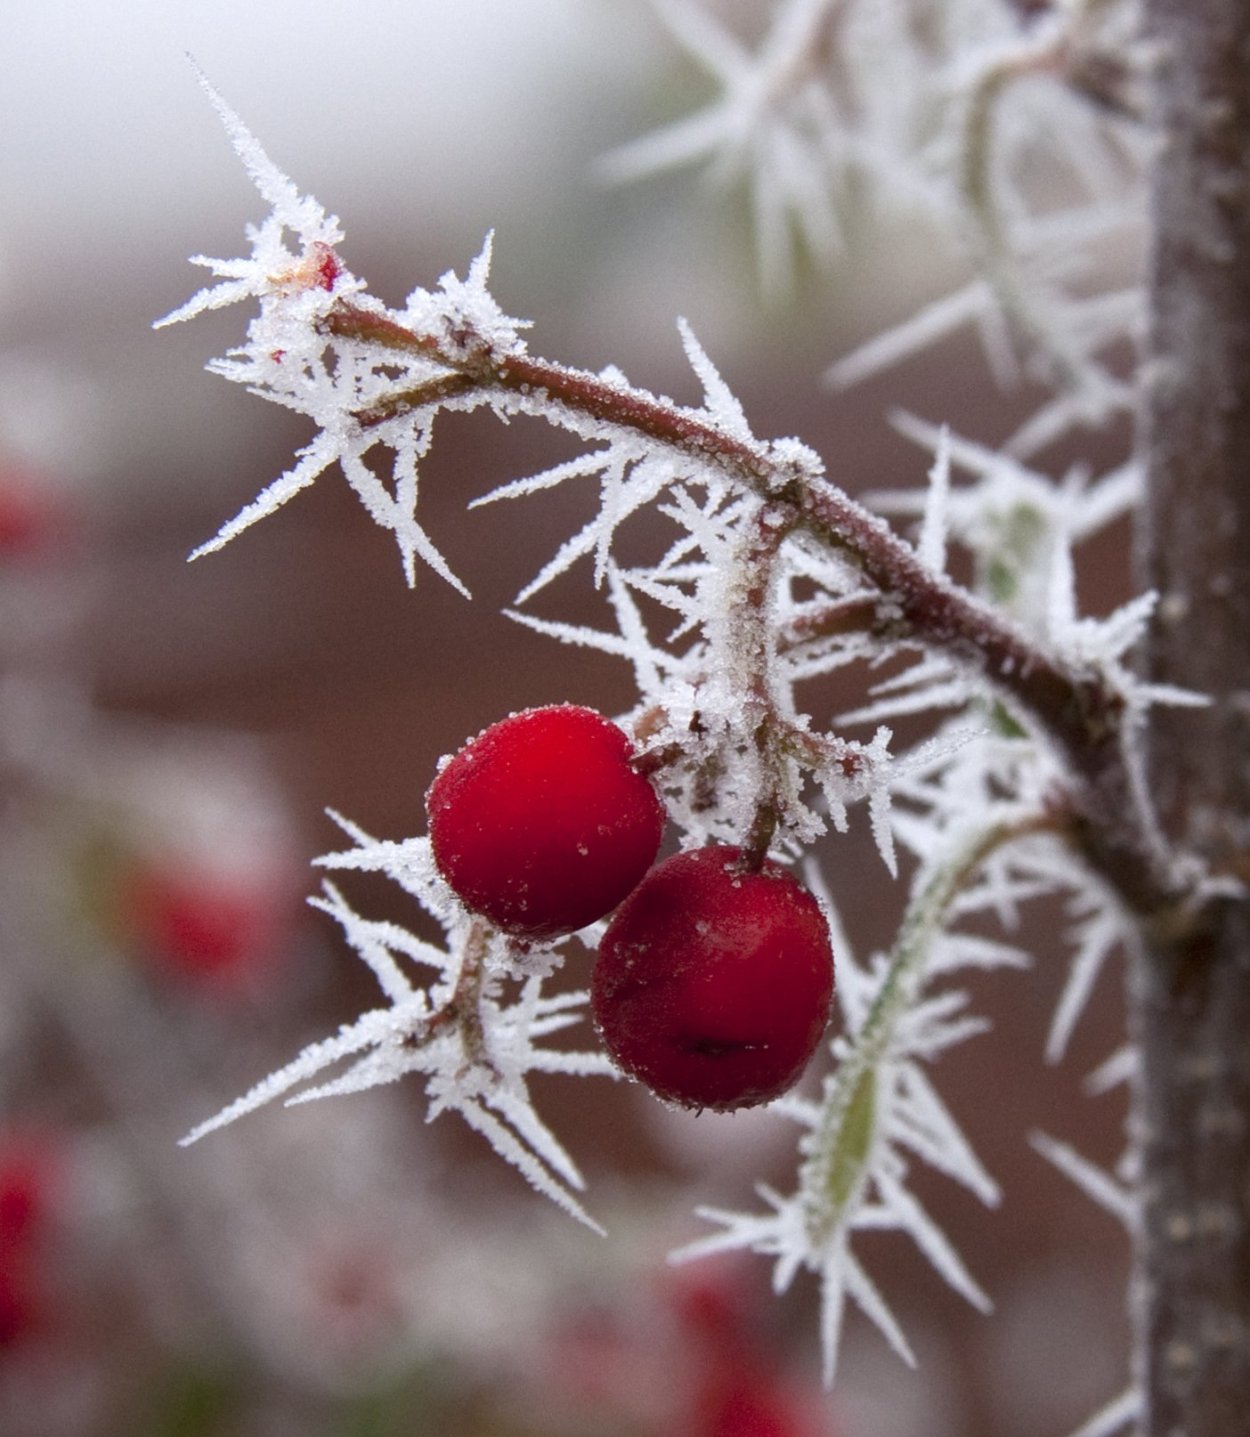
1190 993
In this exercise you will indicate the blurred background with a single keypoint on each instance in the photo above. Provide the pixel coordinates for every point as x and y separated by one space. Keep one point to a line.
171 735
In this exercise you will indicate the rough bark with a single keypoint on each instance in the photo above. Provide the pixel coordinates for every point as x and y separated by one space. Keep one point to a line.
1191 989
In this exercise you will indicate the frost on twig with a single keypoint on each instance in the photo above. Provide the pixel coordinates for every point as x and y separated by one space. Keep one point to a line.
375 379
295 272
467 1015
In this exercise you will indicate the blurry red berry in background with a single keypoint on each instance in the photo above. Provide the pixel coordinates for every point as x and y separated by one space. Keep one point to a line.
690 1351
541 824
740 1387
25 1174
215 929
713 985
35 520
710 1301
28 1177
738 1401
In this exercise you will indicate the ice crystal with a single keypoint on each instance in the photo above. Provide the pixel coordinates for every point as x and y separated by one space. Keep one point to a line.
287 358
766 126
1098 1186
466 1015
308 275
1116 1196
1124 1413
944 113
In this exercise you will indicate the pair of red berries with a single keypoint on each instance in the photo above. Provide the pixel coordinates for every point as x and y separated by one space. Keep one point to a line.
713 983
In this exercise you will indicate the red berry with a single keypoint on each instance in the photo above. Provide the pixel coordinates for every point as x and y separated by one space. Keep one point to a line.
204 927
34 516
28 1177
742 1402
713 985
541 824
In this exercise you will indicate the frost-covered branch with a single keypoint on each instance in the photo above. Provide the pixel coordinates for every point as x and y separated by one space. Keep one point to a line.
1084 711
774 576
374 377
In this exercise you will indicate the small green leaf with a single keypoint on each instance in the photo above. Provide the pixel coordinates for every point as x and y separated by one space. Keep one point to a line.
854 1141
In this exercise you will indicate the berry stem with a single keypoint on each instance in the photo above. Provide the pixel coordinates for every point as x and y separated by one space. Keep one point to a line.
751 631
466 1000
462 1009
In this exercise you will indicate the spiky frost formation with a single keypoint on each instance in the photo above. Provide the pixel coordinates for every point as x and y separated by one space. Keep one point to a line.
950 119
772 577
470 1016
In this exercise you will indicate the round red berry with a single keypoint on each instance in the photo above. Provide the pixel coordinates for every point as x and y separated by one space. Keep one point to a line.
541 823
713 984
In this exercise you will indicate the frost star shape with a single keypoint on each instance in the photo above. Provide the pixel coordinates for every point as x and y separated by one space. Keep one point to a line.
473 1028
288 360
771 125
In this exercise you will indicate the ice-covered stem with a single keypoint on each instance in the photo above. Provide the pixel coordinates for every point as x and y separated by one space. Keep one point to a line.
1081 710
855 614
1190 1002
463 1008
755 641
743 705
1061 42
840 1149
